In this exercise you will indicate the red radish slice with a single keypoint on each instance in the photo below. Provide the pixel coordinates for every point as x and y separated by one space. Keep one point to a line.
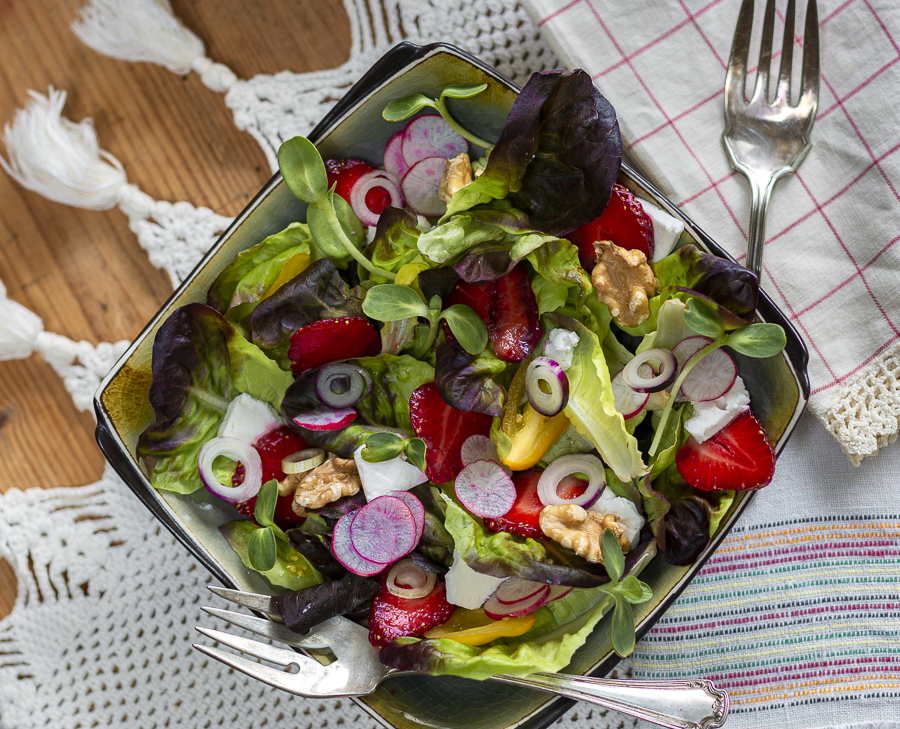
496 610
415 506
393 156
628 402
485 489
430 136
515 589
478 448
326 418
420 187
384 530
710 378
344 551
557 592
376 179
687 348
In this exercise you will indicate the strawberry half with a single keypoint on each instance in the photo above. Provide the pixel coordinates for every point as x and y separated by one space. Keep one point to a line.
332 340
624 222
444 429
524 516
738 457
391 616
344 173
509 310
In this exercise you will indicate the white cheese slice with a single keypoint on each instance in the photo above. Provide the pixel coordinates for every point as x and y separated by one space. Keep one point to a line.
710 417
381 478
624 510
468 588
667 229
248 418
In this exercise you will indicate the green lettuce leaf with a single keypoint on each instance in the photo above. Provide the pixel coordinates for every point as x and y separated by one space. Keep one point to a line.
394 379
396 238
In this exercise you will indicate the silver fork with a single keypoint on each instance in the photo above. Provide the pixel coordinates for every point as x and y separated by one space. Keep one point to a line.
357 671
766 140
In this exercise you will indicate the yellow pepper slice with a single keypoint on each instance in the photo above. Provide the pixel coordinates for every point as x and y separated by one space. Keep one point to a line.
294 266
534 437
408 275
473 627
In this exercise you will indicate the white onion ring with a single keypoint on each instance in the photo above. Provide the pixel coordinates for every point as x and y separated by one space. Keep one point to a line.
372 179
544 369
668 368
407 572
237 450
566 466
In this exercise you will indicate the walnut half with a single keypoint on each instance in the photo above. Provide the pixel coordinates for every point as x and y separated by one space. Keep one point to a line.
328 482
457 174
580 530
624 281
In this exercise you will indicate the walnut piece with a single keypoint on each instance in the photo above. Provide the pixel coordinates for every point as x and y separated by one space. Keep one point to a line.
328 482
457 174
580 530
624 281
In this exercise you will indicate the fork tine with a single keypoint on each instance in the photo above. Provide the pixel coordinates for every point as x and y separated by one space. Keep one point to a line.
765 53
266 674
244 599
809 79
783 93
736 74
266 652
267 629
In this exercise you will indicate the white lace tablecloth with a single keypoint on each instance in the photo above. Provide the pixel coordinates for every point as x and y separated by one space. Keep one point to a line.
796 614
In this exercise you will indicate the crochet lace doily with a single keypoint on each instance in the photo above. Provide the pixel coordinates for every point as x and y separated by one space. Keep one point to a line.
107 600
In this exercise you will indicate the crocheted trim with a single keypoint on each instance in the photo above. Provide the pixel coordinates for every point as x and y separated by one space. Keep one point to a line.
865 416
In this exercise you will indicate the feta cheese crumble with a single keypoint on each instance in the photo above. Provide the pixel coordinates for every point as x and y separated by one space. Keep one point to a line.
560 345
624 510
667 230
383 477
468 588
710 417
248 418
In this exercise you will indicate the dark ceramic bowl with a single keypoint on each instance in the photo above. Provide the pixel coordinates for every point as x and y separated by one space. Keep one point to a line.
354 128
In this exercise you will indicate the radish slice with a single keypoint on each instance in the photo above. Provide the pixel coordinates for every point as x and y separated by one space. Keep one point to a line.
515 590
369 181
326 419
496 610
420 186
384 530
485 489
393 156
236 450
407 580
553 475
628 402
557 592
478 448
344 551
710 378
430 136
687 348
415 506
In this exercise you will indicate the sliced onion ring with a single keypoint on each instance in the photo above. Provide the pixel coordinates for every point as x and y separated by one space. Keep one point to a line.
368 181
418 582
544 369
634 376
302 461
584 463
354 380
236 450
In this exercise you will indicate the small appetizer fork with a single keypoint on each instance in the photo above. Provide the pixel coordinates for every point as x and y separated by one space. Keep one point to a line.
767 140
357 671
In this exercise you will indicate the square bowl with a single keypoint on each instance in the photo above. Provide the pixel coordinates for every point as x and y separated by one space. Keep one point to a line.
778 386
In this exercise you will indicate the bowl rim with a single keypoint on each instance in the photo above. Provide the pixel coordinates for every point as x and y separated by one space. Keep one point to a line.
396 60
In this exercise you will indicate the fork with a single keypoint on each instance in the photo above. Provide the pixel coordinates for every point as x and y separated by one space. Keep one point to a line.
766 140
696 704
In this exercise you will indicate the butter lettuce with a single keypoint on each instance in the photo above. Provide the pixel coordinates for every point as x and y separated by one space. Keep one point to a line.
292 570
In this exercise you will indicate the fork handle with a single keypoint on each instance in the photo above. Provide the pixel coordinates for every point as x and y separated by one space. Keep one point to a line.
761 191
694 704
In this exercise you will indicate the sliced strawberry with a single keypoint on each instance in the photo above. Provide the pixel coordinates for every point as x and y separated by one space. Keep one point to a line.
392 617
624 222
738 457
443 428
509 310
344 173
331 340
272 447
524 516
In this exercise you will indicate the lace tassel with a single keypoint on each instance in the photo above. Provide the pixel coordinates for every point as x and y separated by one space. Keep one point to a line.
62 161
147 30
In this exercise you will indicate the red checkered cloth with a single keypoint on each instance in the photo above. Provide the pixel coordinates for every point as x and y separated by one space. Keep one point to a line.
830 259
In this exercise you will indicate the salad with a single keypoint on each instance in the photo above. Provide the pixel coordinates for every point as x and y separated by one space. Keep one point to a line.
471 394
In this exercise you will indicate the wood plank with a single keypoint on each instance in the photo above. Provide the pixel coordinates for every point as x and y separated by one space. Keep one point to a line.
83 271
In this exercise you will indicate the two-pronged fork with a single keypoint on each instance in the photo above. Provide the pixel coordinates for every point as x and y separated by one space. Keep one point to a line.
357 671
766 140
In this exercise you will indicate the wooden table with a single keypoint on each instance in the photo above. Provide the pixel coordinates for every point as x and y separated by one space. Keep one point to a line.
82 271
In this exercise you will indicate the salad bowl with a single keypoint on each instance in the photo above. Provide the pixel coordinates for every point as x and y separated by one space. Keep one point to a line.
778 387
